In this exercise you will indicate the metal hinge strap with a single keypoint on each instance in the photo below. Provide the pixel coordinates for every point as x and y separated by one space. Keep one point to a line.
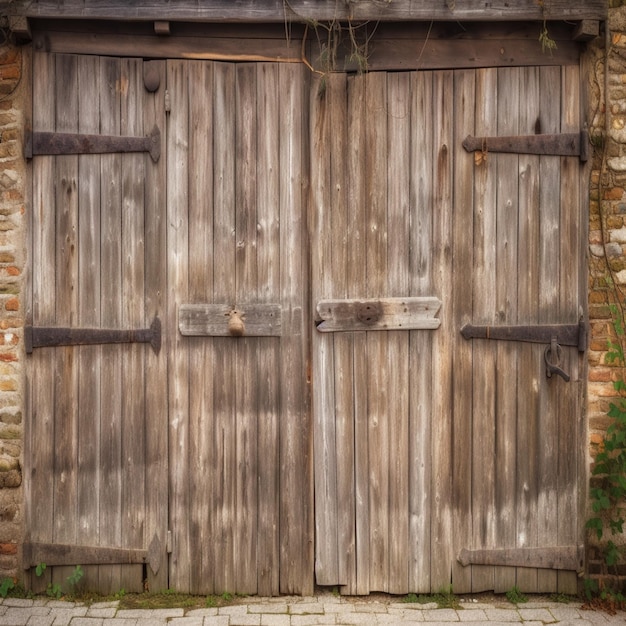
49 336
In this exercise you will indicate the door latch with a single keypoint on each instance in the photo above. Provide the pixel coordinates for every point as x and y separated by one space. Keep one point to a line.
552 357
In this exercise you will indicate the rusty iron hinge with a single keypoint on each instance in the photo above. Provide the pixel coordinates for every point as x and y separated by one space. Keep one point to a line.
565 334
48 336
563 144
52 143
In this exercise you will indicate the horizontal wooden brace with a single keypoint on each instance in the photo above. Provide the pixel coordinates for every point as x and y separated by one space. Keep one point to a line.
563 144
565 334
54 336
53 554
320 10
52 143
378 314
557 557
225 320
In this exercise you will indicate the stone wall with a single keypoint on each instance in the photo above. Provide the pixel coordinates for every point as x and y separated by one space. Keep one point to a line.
12 263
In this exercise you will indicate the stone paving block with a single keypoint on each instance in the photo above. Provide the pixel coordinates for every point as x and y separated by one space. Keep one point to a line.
339 609
41 620
124 622
403 618
105 605
314 620
536 615
369 607
245 620
216 620
306 608
162 614
273 619
87 621
233 610
15 617
477 615
101 612
18 602
441 615
503 615
208 612
269 608
185 621
563 613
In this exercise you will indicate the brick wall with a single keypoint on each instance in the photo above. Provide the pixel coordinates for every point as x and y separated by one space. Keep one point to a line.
607 226
12 258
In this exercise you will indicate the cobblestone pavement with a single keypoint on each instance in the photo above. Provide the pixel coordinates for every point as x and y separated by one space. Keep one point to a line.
296 611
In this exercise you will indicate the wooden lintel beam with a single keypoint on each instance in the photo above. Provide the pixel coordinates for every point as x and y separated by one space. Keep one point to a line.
162 27
304 10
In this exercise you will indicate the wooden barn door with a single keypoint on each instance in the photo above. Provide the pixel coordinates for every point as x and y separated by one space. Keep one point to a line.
96 444
432 448
240 487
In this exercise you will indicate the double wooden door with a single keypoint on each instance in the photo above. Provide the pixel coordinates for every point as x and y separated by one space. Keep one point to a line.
255 452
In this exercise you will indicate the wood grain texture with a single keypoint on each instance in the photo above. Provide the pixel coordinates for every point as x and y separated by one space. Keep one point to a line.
271 10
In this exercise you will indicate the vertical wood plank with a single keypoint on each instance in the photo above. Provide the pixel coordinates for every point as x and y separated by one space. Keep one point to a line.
155 268
336 94
111 313
484 414
530 372
224 290
133 396
177 283
201 364
246 349
398 283
461 301
441 485
377 347
296 429
357 286
420 384
89 315
269 238
66 381
569 306
39 511
506 307
326 530
549 264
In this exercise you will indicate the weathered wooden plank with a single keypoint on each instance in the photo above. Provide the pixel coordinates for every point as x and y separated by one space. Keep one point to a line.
338 225
201 364
224 290
212 320
39 507
484 415
398 284
357 284
246 349
326 514
89 314
296 457
53 554
274 10
506 308
441 554
420 349
386 55
378 314
133 286
156 366
462 303
570 413
269 255
111 310
64 522
549 273
559 557
376 263
177 281
529 361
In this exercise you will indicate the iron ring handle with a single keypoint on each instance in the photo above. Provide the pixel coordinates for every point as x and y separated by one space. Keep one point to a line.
553 351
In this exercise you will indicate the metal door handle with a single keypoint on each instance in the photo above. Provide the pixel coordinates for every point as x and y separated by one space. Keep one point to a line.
552 357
